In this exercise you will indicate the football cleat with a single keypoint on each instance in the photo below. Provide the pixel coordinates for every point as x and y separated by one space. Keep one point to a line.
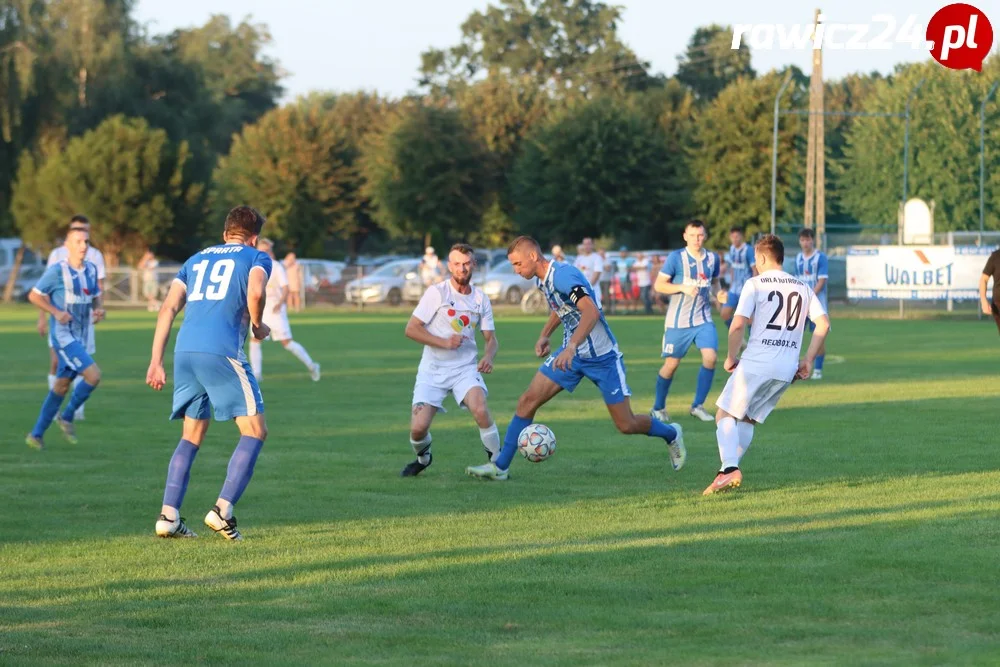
699 412
487 471
34 443
817 374
415 467
224 527
678 453
660 415
68 429
176 528
724 482
314 372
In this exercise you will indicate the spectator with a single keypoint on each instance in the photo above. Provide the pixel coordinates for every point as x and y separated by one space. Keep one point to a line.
643 280
294 271
430 267
150 285
591 265
558 254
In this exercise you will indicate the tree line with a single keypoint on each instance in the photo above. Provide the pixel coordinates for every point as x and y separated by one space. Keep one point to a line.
540 121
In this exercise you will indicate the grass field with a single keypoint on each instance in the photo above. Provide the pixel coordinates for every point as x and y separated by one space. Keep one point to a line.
866 531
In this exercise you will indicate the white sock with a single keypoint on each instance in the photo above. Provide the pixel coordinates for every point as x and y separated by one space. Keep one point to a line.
79 411
729 443
170 512
52 382
301 353
225 508
422 448
256 359
746 437
491 439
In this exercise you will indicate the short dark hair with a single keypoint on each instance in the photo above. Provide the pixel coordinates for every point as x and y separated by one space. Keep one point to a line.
463 248
522 240
771 245
695 223
244 221
737 228
807 233
78 221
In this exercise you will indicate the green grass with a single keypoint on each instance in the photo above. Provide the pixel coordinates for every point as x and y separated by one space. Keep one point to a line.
866 531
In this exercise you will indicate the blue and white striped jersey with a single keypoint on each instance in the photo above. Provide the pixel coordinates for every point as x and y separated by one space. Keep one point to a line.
810 269
559 281
739 266
683 268
74 291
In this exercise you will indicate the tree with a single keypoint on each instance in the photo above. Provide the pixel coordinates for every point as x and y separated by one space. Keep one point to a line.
427 174
568 48
732 157
600 168
128 178
709 63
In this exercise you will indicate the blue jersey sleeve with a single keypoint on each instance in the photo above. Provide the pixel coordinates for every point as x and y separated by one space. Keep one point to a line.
263 261
670 268
822 270
182 275
718 266
568 277
751 257
50 280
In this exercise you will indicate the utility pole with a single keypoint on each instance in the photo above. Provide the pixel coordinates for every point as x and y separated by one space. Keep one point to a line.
815 211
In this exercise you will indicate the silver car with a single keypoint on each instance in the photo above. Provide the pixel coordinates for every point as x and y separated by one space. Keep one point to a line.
383 285
502 284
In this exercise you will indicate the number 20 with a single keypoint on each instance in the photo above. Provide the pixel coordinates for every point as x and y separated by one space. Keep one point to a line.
218 279
793 313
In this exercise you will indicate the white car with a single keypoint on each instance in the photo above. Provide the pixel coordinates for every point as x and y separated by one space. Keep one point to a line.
383 285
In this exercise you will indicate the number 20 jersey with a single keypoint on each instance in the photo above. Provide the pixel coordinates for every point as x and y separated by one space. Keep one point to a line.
216 318
778 304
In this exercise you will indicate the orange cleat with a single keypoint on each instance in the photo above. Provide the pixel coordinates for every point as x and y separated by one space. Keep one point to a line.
724 482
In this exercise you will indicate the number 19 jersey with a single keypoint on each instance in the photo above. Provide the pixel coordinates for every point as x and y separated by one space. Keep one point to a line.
216 320
778 304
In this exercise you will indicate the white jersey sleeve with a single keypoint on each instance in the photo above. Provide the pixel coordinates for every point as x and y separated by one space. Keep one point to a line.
53 257
486 323
428 305
816 309
748 300
97 257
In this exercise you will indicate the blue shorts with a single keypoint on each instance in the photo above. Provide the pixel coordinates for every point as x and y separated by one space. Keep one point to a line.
607 372
73 360
202 380
676 342
732 300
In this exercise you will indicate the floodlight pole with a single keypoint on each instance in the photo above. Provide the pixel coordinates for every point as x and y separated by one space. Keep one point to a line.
906 142
982 159
774 151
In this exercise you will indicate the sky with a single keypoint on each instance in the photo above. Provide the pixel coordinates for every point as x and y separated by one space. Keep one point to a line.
375 45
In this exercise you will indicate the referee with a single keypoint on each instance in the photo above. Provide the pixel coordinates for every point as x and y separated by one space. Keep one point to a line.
991 270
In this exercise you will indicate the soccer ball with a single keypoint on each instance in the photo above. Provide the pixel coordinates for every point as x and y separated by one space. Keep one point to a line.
537 442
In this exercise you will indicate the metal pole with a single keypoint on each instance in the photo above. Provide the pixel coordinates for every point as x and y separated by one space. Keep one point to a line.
774 151
906 142
982 159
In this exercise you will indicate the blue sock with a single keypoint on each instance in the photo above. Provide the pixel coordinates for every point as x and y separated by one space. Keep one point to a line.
705 376
241 468
50 406
819 361
658 429
79 397
178 473
662 389
514 429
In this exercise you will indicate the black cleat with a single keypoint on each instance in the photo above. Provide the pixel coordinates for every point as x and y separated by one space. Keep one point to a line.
414 468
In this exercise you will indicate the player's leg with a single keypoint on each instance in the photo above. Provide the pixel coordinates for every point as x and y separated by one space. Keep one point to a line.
256 358
234 394
996 315
421 417
707 340
79 414
474 398
675 345
302 355
53 365
89 377
50 408
817 373
547 382
729 307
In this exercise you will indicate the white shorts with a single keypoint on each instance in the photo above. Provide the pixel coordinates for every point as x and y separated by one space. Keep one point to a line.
749 395
278 322
91 345
432 387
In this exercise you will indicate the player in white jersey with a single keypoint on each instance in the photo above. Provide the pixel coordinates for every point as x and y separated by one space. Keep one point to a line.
691 278
738 265
812 269
61 254
778 305
276 317
445 323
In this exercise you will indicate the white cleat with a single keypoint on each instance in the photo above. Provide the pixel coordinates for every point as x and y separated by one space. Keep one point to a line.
659 415
817 374
224 527
698 411
176 528
487 471
314 372
678 453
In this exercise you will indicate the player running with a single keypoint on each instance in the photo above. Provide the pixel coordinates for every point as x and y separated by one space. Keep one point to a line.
57 255
691 278
276 318
69 292
738 265
812 269
589 350
224 290
445 323
778 305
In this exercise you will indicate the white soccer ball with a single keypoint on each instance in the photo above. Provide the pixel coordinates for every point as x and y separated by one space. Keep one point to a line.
537 442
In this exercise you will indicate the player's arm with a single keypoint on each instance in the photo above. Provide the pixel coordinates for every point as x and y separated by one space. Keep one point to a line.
39 296
416 330
589 316
156 376
665 281
984 301
817 313
822 274
257 299
735 344
492 347
544 345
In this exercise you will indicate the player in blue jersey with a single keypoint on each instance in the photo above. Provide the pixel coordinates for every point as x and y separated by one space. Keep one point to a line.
691 278
589 350
738 265
69 292
811 268
223 288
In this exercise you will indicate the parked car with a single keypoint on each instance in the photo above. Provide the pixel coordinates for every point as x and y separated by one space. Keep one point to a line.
322 280
32 267
502 284
384 285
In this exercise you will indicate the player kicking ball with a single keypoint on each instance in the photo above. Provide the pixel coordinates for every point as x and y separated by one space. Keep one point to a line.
224 289
589 350
445 323
778 305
